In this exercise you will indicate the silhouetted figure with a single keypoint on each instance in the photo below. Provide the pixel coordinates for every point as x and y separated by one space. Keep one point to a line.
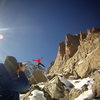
12 79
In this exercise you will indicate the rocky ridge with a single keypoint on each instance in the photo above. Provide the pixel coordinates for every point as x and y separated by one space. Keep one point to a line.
84 52
75 73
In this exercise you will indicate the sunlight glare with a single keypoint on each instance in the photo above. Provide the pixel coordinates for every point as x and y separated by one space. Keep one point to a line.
1 37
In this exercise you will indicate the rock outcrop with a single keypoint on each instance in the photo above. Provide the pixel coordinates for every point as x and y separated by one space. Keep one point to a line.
60 56
29 68
81 56
33 73
66 50
55 88
96 85
89 64
75 73
37 77
72 42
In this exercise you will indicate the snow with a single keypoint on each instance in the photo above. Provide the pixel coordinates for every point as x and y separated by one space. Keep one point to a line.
78 84
60 75
41 86
21 95
99 70
80 62
85 95
81 82
37 95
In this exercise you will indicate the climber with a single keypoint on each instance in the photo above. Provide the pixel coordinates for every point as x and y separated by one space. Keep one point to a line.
39 62
12 79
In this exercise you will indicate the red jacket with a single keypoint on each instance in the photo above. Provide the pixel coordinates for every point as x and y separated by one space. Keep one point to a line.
38 60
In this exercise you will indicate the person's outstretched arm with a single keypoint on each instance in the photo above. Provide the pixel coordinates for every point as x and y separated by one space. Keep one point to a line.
40 58
35 60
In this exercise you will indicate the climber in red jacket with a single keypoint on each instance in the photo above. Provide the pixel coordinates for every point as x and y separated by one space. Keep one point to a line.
39 62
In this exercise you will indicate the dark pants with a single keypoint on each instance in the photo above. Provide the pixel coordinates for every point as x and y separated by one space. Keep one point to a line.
40 64
9 95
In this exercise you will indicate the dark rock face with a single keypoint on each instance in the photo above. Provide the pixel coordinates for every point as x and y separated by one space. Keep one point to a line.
61 50
82 36
72 42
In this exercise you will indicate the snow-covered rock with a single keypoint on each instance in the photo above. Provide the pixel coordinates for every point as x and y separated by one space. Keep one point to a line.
55 88
78 84
37 95
77 88
87 95
68 84
29 68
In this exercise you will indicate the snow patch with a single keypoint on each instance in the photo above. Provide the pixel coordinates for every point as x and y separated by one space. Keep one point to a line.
41 86
80 62
37 95
78 84
99 70
21 95
85 95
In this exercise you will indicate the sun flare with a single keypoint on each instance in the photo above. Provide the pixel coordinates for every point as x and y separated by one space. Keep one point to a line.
1 37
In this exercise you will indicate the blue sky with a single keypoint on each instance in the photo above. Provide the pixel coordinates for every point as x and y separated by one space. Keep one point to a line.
34 28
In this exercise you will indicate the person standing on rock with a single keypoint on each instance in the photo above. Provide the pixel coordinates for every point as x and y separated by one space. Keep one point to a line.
12 79
39 62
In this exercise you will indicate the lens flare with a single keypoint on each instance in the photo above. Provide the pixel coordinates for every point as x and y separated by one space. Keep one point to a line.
1 37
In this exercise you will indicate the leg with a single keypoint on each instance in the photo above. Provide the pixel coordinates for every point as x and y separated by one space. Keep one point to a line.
42 65
39 65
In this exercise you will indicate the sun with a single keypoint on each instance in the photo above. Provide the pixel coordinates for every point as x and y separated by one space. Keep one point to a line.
1 37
